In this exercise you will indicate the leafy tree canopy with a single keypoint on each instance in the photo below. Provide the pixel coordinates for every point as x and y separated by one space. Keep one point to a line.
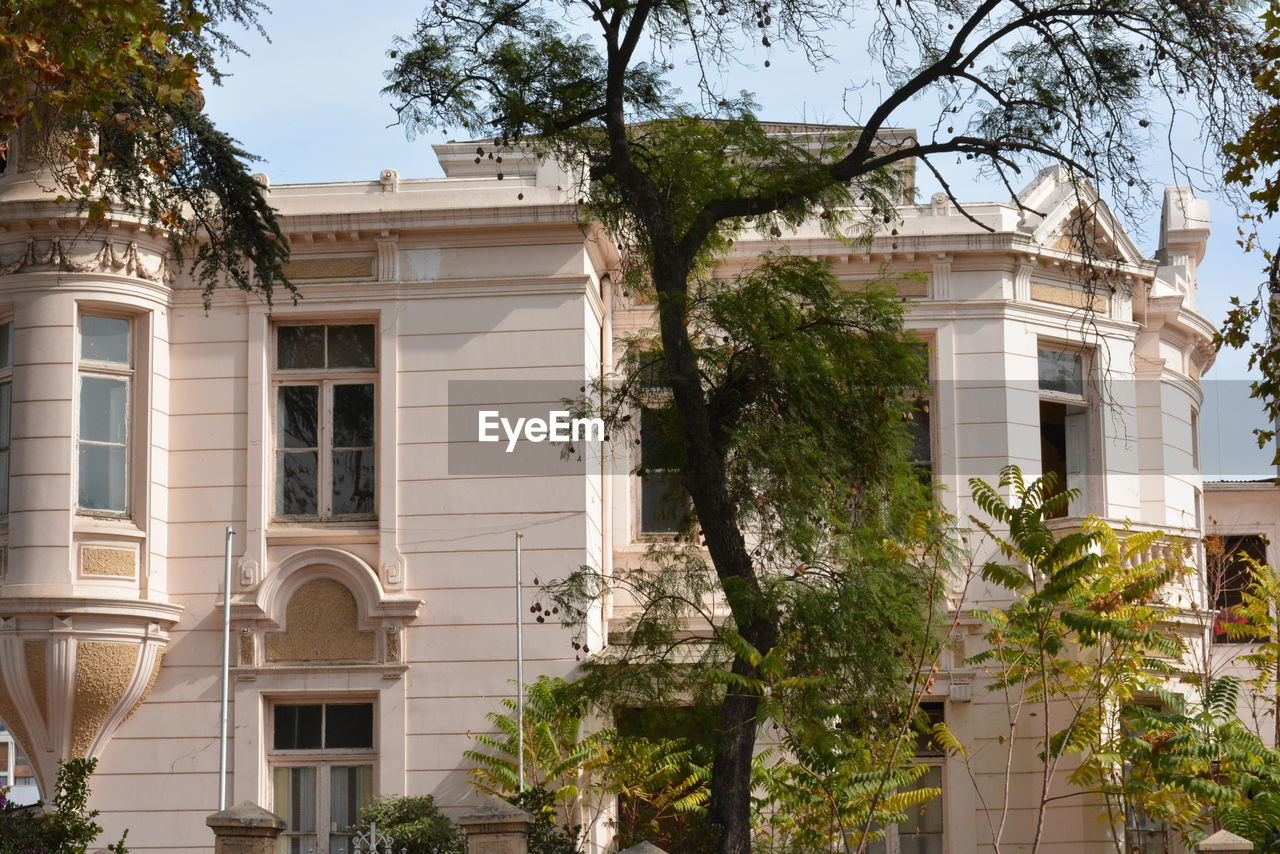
676 180
106 94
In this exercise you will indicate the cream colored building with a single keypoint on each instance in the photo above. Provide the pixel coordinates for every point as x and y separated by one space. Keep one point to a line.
373 596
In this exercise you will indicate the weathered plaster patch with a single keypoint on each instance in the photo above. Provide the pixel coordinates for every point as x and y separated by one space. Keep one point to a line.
321 626
1069 297
246 650
103 673
116 563
330 268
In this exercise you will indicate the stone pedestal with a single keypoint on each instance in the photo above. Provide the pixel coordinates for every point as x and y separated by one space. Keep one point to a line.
497 828
245 828
643 848
1223 841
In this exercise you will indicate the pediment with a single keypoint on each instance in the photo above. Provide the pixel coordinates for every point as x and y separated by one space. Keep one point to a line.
1066 214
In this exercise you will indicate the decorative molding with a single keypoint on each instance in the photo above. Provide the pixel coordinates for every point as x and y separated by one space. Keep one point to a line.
105 260
388 256
248 574
393 573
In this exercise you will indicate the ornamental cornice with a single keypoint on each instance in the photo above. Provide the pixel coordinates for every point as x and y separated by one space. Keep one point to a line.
112 257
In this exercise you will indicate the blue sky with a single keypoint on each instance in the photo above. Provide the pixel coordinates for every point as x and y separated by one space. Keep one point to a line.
308 103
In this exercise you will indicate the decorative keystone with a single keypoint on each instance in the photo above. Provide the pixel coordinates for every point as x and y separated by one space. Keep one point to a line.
1224 840
497 828
245 828
643 848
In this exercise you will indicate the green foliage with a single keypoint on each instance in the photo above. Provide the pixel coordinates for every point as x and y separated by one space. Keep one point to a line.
1083 636
546 835
558 757
794 453
107 96
414 824
67 827
661 786
829 799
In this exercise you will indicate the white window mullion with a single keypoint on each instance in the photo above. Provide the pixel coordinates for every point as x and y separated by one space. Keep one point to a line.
325 463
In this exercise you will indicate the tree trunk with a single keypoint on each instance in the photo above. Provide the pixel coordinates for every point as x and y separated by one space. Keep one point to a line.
729 807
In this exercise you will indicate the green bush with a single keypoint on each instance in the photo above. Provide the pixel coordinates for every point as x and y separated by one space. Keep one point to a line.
65 827
547 835
415 824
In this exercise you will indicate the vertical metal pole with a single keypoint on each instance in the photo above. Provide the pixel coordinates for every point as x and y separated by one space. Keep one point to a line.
226 671
519 665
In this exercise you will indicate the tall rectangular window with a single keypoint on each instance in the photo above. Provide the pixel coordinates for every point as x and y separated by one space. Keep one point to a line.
324 421
6 410
1229 574
322 760
1064 423
106 375
664 503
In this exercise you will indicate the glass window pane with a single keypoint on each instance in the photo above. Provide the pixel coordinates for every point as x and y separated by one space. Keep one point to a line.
657 450
299 347
102 478
1061 372
351 346
663 503
104 339
352 483
350 790
6 345
297 414
294 791
348 725
6 400
297 727
296 483
104 409
353 416
4 482
921 434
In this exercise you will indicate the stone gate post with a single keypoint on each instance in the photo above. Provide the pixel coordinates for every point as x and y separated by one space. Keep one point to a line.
245 828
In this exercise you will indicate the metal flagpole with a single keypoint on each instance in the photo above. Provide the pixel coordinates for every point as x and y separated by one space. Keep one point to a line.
519 665
226 671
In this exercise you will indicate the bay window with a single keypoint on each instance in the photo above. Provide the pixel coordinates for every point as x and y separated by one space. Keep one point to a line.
105 380
324 421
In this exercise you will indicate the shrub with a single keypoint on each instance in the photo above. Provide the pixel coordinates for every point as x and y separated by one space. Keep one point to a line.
414 824
65 827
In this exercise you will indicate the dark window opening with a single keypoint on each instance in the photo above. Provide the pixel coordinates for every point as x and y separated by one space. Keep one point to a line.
1230 576
1053 446
664 503
327 726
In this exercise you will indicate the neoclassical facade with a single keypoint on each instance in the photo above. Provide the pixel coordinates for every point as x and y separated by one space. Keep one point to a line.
373 587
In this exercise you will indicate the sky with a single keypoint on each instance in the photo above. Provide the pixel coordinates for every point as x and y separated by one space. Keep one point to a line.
308 102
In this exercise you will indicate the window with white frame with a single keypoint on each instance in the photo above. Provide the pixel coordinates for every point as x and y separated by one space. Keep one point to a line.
6 410
324 421
1065 446
106 379
322 762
